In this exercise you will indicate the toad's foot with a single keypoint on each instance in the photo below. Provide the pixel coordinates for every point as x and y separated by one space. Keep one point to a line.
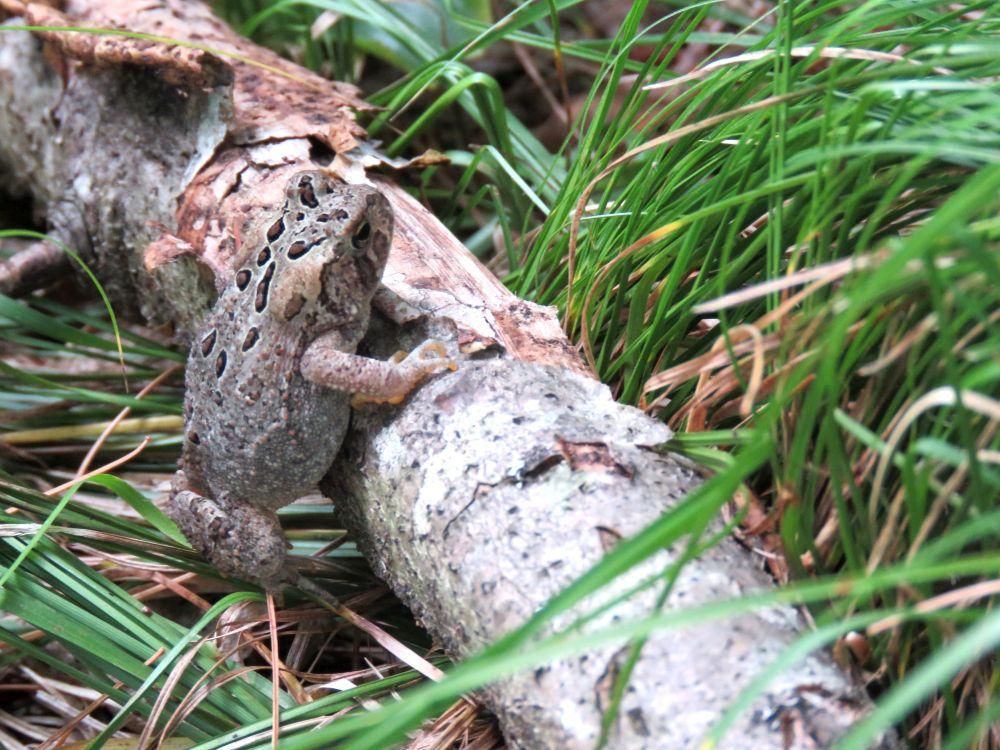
429 358
372 380
239 539
32 268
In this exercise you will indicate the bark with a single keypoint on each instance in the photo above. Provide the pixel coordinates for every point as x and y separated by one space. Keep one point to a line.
490 489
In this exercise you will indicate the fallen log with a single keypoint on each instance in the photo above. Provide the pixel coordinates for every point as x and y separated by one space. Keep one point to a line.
492 488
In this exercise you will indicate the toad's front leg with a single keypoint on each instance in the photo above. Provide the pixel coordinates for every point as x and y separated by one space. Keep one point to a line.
239 539
371 380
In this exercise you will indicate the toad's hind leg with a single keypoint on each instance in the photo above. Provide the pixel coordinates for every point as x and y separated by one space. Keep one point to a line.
239 539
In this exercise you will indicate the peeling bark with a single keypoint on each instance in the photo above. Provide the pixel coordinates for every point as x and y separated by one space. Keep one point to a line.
489 490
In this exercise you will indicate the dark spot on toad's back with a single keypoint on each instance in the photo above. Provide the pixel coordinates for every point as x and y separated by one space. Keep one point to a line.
208 343
260 302
300 248
243 278
276 229
263 256
220 364
251 339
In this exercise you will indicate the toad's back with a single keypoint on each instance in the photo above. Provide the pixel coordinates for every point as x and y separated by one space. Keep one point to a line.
256 429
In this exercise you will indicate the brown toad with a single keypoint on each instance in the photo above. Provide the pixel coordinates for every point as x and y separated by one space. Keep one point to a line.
270 377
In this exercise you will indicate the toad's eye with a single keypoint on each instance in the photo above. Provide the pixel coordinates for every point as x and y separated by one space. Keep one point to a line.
361 236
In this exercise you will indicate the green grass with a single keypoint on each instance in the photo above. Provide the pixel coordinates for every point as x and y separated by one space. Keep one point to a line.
793 259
